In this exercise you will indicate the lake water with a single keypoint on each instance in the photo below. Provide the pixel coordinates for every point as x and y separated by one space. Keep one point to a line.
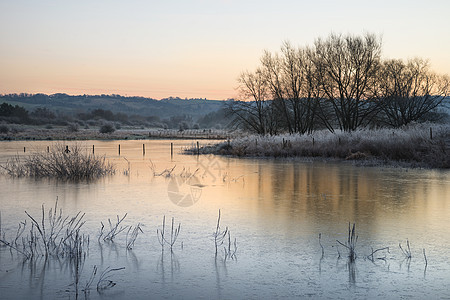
275 208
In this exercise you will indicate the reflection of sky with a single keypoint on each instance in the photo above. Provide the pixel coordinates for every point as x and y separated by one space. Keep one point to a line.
275 209
190 48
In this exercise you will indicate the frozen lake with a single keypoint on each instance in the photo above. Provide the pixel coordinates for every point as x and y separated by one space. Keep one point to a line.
275 208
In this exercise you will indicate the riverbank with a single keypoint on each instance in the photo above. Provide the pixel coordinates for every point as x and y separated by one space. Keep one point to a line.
420 145
26 132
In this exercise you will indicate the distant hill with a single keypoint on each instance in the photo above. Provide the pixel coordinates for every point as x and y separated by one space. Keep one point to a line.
72 105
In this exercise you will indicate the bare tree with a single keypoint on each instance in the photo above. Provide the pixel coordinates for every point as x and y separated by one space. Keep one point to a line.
319 112
253 112
273 74
340 82
409 90
292 86
347 68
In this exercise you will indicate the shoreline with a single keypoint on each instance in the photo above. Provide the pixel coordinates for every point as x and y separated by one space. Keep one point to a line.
409 147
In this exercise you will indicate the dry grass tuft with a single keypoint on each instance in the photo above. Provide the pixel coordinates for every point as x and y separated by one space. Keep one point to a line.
62 162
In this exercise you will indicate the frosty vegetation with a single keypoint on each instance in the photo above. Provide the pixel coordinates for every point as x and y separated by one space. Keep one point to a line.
414 145
62 162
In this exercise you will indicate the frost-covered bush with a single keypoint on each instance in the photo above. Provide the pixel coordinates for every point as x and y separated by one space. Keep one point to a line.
107 128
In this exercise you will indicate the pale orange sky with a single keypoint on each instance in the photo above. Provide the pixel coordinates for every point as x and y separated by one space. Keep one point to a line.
190 48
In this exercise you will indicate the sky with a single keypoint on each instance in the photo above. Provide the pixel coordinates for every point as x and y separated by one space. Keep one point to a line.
191 48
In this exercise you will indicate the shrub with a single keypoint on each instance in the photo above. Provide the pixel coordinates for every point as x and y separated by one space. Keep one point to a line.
107 128
4 129
73 127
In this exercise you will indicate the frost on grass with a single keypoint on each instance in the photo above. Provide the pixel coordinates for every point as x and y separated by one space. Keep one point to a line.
62 162
414 145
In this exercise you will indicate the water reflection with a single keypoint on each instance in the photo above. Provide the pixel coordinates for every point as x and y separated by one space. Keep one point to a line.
166 266
328 193
220 268
276 207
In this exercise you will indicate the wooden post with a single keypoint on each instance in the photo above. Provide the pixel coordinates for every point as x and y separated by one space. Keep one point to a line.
171 150
23 149
198 149
93 149
119 149
48 149
431 133
143 149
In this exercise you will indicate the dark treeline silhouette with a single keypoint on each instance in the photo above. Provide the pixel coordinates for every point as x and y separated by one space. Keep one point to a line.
15 114
340 82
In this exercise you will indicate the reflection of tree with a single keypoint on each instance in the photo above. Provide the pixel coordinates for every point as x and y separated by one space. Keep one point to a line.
37 268
320 190
171 267
351 267
221 270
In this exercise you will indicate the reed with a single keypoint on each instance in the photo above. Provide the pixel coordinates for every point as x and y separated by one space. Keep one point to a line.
76 253
164 173
60 162
229 252
219 235
407 250
114 229
52 235
350 244
372 257
2 233
87 286
320 243
133 236
104 281
162 236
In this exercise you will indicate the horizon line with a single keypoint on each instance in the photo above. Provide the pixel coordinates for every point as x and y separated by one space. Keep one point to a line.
114 95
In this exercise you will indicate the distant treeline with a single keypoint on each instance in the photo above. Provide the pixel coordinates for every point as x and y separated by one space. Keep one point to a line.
340 82
94 110
43 116
164 108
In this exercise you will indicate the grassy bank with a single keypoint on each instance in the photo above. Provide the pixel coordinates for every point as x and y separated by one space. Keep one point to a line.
415 146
